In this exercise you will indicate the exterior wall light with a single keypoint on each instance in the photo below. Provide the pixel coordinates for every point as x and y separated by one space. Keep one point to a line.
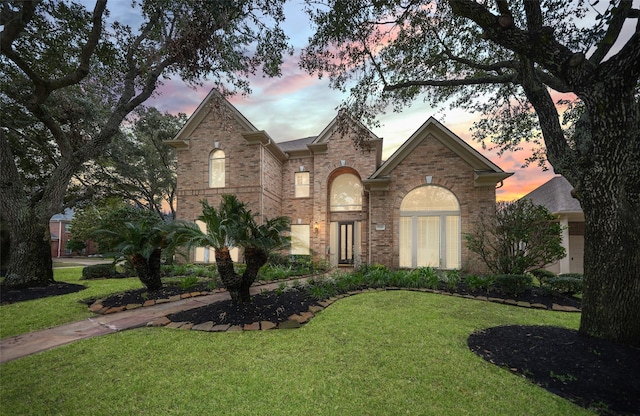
316 227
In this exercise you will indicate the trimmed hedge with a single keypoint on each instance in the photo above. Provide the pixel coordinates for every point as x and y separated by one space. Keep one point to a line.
99 271
513 284
565 284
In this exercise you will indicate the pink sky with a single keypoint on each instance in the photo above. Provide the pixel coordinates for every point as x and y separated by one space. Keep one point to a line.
298 105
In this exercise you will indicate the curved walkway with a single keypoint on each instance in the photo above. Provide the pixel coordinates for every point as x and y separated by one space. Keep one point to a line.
156 315
38 341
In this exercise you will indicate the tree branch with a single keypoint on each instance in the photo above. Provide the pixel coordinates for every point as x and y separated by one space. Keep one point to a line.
501 79
539 46
558 151
619 16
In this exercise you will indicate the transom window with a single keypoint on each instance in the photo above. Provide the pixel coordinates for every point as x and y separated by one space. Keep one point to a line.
430 228
216 169
301 184
346 193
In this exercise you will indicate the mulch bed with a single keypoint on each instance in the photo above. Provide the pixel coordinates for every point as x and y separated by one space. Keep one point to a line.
267 306
594 374
21 295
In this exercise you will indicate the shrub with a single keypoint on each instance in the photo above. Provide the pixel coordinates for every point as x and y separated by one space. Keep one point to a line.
188 282
513 284
452 279
478 282
566 284
99 271
430 277
542 275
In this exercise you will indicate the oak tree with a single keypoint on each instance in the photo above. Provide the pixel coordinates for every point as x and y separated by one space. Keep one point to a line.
70 74
517 63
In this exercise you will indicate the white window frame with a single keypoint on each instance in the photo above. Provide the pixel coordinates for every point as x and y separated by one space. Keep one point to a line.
356 194
302 187
217 160
447 220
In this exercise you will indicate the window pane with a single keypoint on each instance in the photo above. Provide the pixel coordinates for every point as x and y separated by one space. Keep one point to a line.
216 169
428 241
453 243
302 184
405 242
300 239
430 198
346 193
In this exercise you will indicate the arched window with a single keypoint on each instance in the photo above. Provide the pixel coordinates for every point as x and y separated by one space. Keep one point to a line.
430 228
216 169
346 193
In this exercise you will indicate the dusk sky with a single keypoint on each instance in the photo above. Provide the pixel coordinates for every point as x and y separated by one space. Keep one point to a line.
299 105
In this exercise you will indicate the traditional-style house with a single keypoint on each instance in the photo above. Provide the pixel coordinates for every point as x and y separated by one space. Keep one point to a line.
555 195
346 205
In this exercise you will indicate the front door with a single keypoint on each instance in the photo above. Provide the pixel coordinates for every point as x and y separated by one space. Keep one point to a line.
346 242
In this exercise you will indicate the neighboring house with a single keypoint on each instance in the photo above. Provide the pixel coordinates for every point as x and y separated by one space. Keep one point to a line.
346 206
555 195
59 226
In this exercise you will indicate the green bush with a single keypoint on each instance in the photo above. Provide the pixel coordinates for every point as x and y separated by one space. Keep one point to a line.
542 275
565 284
513 284
478 282
188 282
99 271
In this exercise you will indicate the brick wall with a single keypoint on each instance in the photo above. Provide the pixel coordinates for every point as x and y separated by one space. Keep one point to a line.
448 170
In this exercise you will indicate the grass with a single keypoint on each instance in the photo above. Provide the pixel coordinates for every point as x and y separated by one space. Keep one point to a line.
22 317
378 353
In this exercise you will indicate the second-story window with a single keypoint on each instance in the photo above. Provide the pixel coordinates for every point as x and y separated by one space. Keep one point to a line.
216 169
301 184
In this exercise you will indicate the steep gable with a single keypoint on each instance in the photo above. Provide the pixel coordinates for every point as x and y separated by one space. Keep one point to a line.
213 100
485 172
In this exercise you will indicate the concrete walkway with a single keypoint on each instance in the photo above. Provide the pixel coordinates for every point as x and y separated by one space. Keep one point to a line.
34 342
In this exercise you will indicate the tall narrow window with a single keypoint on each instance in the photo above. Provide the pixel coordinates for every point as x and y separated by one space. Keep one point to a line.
346 193
301 184
216 169
430 229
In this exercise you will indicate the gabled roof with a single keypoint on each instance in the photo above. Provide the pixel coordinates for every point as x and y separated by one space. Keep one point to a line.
296 145
214 98
555 195
486 172
67 215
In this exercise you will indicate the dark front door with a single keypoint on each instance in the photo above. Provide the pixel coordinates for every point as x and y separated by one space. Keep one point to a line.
345 242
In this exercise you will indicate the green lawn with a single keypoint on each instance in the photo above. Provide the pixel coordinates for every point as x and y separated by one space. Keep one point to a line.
379 353
22 317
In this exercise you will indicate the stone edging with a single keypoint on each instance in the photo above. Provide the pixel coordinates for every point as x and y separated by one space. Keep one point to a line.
97 307
297 320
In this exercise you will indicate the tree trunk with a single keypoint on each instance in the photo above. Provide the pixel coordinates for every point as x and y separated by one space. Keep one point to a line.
148 269
230 279
611 293
609 192
255 259
30 263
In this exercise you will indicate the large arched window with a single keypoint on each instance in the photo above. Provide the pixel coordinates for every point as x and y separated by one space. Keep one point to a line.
430 228
216 169
346 193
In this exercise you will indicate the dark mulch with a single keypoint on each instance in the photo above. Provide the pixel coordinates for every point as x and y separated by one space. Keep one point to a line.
20 295
593 373
141 295
268 306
